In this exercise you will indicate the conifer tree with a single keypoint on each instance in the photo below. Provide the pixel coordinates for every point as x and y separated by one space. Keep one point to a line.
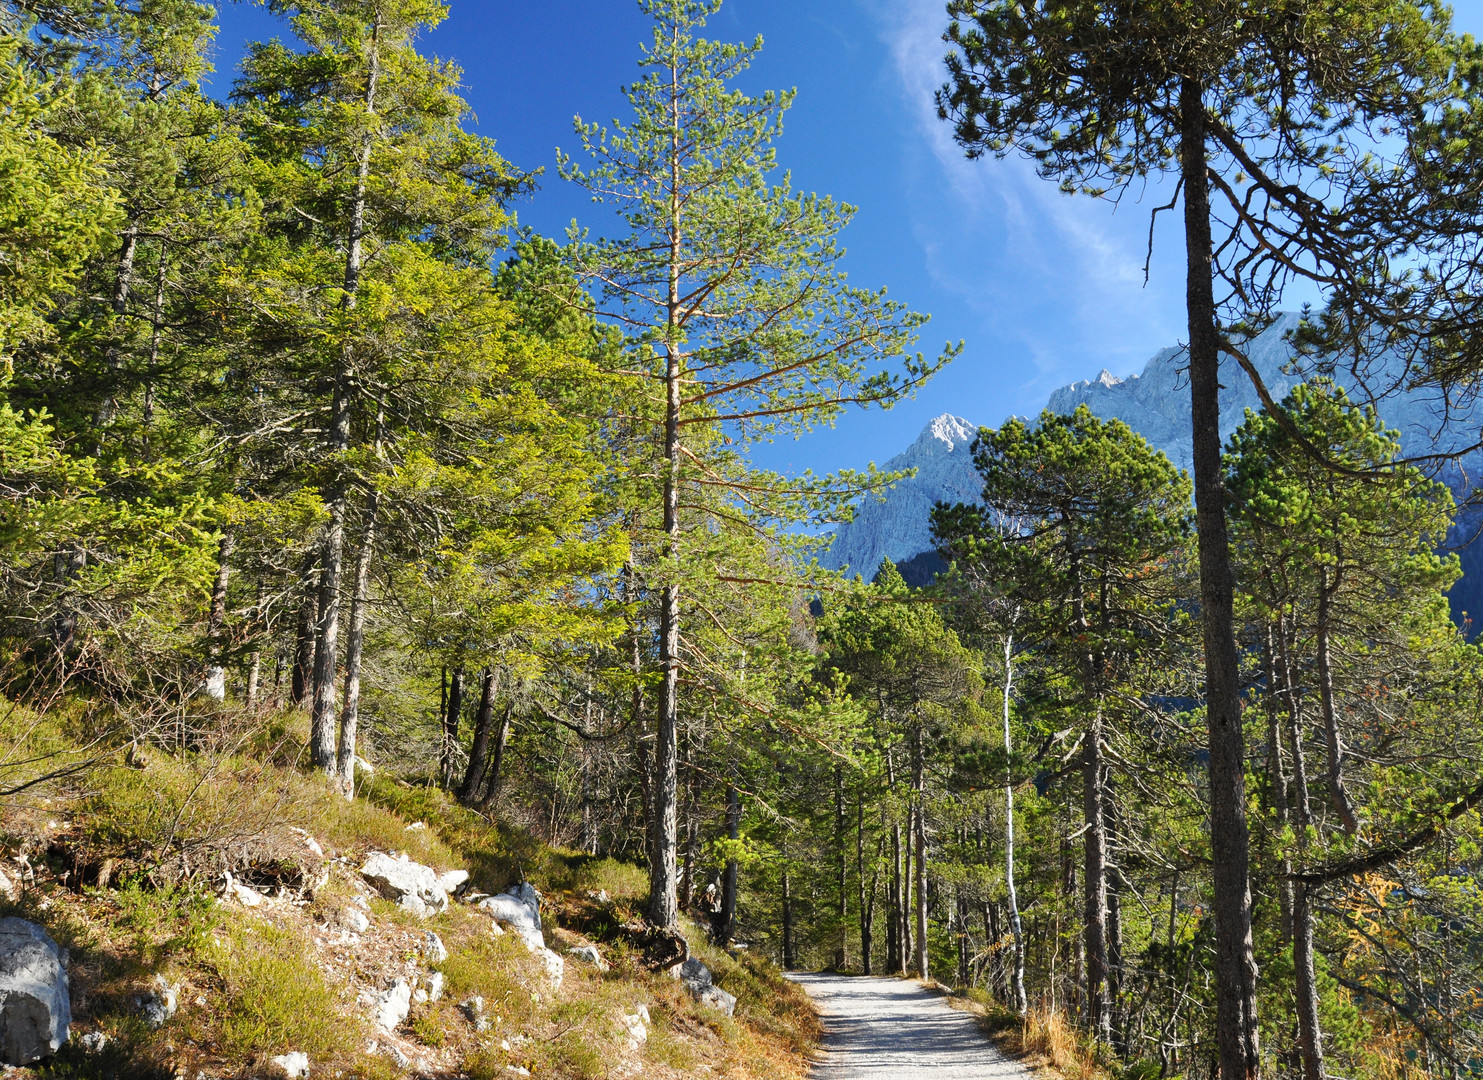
740 323
1270 107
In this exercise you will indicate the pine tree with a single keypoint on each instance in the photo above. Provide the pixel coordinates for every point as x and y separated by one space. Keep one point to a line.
1268 107
742 326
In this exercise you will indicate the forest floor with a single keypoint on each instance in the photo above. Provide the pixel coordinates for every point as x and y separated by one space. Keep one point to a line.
891 1029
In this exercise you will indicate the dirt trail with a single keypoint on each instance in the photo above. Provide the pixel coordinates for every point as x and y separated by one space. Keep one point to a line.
890 1029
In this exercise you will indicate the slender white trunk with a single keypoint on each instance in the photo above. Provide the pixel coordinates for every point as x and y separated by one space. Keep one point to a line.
1021 1004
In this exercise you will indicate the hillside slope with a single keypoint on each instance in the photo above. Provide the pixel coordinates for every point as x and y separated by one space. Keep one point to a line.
216 919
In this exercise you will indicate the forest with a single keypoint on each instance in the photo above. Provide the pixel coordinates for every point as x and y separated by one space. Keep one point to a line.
312 457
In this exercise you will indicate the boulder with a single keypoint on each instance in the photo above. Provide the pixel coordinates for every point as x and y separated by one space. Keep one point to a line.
354 919
715 998
473 1009
292 1065
35 1004
412 885
453 880
159 1004
243 894
393 1005
433 948
519 910
435 986
701 986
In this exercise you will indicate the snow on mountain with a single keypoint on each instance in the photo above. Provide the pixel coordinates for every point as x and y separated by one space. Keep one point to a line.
1154 403
897 528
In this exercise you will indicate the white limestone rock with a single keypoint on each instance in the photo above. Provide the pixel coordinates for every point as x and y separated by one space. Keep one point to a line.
588 954
393 1005
412 885
292 1065
159 1004
35 1001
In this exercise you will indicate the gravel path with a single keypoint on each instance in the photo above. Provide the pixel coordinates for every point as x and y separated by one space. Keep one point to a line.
890 1029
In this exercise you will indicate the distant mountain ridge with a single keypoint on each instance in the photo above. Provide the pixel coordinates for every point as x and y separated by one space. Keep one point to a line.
1154 403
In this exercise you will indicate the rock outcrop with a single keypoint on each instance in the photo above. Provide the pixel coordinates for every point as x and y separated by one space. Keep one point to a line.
412 885
35 1002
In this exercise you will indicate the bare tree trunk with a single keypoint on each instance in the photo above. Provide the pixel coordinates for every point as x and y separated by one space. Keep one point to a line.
322 726
960 906
662 911
301 685
355 648
495 775
473 776
122 284
727 929
1235 963
842 954
1338 793
1094 881
1305 977
866 906
790 956
918 784
1018 1001
451 719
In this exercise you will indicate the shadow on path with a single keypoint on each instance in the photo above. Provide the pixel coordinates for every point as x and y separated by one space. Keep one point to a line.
890 1029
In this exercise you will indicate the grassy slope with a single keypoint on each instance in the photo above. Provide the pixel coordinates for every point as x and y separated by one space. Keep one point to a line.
127 856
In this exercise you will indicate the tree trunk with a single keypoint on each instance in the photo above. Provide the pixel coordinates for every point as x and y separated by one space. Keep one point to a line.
1338 793
692 839
1094 881
355 643
494 775
866 905
1235 964
919 836
122 284
1277 773
662 910
727 928
842 954
322 717
452 718
1305 981
790 958
473 776
960 905
302 680
1018 1000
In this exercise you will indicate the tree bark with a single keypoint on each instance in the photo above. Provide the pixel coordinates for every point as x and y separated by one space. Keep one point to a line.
473 776
1338 793
1019 1002
662 910
355 643
1235 964
1305 979
302 679
494 774
919 836
216 621
790 957
451 719
842 954
727 929
1094 881
326 656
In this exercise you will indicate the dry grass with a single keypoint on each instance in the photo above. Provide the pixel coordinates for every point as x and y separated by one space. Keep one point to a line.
127 855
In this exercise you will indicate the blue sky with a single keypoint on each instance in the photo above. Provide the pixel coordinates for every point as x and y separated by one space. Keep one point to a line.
1043 288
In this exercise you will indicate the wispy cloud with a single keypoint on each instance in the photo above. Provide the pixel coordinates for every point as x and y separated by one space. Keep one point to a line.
1061 276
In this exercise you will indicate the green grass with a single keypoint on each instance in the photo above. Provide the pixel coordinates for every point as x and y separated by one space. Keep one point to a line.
274 999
